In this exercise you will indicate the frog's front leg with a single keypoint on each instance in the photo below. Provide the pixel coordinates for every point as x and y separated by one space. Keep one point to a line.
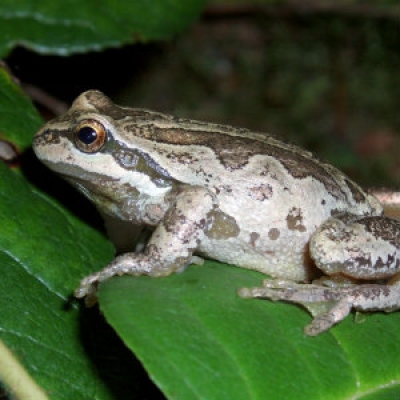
362 248
171 246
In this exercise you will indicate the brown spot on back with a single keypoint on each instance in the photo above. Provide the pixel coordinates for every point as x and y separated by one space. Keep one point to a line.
254 236
223 227
274 233
295 220
261 192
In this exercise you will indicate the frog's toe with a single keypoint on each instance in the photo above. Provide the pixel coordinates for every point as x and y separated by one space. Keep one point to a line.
325 320
80 292
88 289
245 293
264 293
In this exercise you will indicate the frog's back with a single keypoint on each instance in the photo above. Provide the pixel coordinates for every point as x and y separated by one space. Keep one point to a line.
234 162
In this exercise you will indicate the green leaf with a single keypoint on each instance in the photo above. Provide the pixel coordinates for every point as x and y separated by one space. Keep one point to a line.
198 340
19 119
43 253
66 27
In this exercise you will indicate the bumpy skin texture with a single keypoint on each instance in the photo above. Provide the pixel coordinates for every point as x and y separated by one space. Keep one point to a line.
229 194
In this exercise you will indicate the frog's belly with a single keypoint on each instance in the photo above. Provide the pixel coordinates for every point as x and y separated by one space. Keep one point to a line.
286 257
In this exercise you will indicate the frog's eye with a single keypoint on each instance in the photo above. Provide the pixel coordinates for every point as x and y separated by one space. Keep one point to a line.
90 136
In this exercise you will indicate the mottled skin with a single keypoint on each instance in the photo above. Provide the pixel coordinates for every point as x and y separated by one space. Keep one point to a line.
229 194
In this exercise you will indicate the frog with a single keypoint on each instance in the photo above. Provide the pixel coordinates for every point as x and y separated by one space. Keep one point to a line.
185 190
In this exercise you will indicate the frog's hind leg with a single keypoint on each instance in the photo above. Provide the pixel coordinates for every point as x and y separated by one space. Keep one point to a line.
329 305
359 248
366 248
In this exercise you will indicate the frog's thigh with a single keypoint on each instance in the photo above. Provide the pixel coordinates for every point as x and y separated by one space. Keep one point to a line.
358 247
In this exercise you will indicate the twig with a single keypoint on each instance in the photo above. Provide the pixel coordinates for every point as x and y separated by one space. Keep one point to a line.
46 100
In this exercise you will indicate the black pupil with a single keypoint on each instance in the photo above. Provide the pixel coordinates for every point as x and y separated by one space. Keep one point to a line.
87 135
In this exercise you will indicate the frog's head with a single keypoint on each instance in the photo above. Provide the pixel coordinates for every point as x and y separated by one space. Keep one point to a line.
90 146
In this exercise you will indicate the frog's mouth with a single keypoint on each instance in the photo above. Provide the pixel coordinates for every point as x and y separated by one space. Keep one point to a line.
101 188
103 193
68 171
74 173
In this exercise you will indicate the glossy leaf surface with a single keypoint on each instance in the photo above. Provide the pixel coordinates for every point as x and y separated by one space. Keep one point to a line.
66 27
198 340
